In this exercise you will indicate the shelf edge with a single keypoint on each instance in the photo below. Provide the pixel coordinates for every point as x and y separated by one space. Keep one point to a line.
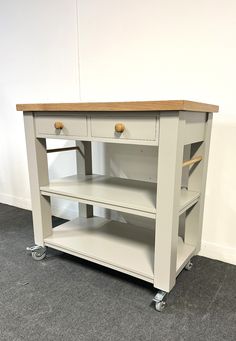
97 203
146 278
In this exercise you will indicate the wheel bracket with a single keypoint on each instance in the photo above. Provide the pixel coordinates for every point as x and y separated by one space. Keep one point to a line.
189 265
39 250
160 296
160 300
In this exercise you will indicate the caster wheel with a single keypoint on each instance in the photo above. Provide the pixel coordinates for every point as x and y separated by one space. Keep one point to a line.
189 266
160 306
38 256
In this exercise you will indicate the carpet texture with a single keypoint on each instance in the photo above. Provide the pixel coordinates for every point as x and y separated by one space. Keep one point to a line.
66 298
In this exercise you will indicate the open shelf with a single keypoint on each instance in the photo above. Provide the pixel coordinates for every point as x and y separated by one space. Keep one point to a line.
125 195
120 246
111 192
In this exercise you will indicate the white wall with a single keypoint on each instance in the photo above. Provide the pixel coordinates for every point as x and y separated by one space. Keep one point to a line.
128 50
165 49
38 63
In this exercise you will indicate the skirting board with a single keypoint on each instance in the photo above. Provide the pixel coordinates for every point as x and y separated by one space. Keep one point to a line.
15 201
208 249
220 252
64 211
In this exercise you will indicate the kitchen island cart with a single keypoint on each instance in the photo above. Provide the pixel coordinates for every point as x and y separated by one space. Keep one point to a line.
180 133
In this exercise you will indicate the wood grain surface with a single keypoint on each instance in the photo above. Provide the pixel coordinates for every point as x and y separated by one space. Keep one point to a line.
121 106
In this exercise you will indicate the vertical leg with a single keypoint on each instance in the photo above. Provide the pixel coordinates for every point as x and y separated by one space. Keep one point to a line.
38 174
197 182
170 158
84 166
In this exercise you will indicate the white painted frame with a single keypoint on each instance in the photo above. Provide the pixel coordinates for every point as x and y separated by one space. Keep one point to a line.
174 131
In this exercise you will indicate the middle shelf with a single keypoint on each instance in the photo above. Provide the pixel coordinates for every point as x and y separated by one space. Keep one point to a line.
124 195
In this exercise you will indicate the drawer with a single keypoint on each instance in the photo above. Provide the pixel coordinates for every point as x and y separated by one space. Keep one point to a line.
123 127
68 125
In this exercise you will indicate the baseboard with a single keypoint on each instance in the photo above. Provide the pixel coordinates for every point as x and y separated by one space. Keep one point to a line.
58 209
66 212
219 252
15 201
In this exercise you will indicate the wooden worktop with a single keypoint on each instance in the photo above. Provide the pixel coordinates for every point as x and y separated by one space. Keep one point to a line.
121 106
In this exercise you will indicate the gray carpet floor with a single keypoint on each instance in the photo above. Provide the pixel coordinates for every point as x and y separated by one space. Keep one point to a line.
65 298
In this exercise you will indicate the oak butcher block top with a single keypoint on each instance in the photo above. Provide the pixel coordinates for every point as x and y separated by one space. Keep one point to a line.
122 106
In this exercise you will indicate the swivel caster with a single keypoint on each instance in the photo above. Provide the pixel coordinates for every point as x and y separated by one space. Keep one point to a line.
160 306
37 252
160 300
189 265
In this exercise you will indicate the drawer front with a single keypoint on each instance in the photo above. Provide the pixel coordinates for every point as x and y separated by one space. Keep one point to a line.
67 125
130 128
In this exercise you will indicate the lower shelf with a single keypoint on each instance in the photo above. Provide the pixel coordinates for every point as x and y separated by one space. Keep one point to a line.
120 246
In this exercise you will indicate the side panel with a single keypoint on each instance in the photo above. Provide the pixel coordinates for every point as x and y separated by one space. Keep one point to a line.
195 123
197 182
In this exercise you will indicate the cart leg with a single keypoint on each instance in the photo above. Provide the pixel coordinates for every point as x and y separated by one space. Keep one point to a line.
169 174
38 174
84 166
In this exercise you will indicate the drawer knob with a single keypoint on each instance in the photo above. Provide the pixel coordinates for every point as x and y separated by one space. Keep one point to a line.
58 125
119 127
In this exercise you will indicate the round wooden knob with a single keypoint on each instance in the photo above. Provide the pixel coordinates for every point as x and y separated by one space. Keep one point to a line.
119 127
58 125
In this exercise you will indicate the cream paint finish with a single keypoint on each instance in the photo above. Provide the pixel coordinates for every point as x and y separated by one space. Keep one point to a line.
138 196
72 125
135 128
122 247
161 49
125 195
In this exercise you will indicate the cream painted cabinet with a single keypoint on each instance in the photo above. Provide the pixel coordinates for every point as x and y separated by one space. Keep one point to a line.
180 130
